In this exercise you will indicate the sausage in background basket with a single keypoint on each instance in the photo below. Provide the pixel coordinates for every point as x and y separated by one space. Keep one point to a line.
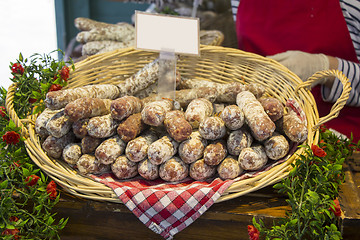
255 116
59 99
86 108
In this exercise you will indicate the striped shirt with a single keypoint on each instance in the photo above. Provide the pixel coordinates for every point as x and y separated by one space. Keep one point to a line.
351 12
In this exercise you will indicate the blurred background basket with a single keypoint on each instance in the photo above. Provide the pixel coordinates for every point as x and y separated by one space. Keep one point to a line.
217 64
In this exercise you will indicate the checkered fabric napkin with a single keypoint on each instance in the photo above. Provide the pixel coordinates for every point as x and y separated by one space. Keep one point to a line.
166 208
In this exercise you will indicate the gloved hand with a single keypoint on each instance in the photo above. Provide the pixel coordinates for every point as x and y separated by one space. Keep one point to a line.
302 64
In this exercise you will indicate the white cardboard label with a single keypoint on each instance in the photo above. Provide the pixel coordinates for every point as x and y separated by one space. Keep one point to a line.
156 32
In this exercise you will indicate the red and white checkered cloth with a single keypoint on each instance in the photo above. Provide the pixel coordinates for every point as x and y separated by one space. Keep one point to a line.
166 208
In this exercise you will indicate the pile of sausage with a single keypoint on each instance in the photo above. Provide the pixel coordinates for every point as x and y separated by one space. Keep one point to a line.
210 129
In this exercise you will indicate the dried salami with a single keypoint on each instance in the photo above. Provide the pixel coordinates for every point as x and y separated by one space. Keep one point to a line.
72 153
123 168
177 126
86 108
131 127
137 149
193 148
212 128
59 99
253 158
109 150
58 125
54 146
238 140
233 117
229 168
199 170
173 170
148 170
125 106
215 152
197 111
102 126
162 150
255 117
276 147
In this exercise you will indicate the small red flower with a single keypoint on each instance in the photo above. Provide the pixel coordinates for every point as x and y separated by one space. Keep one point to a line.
32 180
11 137
17 68
13 232
253 232
318 151
13 219
51 189
64 73
32 100
55 87
336 209
3 111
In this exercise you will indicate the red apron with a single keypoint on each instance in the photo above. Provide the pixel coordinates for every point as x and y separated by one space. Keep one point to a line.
271 27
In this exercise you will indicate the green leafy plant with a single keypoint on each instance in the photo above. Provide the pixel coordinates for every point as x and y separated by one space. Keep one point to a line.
35 76
312 188
27 196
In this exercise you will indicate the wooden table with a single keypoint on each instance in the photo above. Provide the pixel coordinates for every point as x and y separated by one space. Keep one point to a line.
227 220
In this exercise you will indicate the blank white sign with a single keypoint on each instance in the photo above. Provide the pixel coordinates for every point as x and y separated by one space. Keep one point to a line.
156 32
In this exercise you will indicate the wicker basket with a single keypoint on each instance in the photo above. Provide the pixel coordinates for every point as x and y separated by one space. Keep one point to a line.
216 64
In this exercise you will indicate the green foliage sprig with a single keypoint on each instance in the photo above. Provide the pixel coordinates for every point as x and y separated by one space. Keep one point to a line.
27 196
37 75
312 188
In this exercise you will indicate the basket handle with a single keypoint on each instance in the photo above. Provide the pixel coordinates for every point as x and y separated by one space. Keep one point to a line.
340 102
13 115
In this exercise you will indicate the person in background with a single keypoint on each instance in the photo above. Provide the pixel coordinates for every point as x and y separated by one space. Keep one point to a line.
308 36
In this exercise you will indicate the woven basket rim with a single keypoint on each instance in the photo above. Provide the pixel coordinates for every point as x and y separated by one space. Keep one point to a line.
85 187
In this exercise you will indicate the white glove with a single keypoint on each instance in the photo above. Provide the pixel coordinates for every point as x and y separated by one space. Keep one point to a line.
302 64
